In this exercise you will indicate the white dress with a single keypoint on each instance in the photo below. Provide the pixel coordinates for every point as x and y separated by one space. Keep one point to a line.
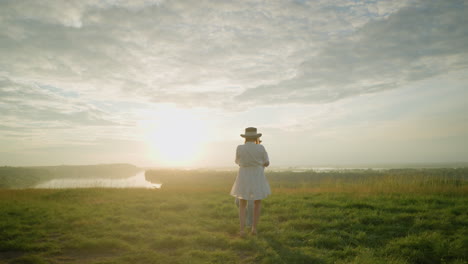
251 183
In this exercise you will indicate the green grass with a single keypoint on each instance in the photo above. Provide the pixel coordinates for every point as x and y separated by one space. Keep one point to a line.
200 225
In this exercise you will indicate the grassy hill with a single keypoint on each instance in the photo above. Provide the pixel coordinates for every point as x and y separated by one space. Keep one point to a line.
396 216
200 225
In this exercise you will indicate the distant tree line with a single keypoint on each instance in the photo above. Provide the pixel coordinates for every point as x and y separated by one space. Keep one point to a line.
385 180
26 177
455 176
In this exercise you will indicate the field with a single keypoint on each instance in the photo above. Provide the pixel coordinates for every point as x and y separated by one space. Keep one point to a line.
398 216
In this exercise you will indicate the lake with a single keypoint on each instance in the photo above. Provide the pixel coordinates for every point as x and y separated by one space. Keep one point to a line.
137 181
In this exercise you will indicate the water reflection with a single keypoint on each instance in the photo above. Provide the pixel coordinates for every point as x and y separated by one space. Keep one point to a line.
137 181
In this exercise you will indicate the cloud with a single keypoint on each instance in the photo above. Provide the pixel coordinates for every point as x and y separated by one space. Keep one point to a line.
34 106
63 63
78 72
420 41
200 53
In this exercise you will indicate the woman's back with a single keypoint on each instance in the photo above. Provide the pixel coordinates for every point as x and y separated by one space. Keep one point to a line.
251 155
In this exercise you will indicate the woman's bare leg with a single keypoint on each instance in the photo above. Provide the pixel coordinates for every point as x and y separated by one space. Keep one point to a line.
257 207
242 205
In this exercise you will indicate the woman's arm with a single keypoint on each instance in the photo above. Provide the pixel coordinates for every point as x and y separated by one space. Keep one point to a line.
237 160
266 159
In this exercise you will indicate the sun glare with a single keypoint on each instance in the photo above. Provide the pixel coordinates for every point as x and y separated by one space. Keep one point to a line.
174 136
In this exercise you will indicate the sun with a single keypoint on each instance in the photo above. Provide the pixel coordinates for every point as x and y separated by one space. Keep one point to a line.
174 136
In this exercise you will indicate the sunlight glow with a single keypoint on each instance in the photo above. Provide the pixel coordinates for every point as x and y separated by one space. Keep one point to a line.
174 136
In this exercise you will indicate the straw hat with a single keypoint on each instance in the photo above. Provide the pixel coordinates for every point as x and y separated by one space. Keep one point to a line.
251 132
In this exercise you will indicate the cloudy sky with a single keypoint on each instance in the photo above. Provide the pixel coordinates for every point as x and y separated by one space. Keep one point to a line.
174 83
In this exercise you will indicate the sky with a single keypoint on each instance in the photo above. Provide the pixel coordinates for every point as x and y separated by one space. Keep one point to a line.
175 83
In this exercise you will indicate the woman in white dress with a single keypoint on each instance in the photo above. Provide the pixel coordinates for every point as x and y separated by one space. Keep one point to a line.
251 183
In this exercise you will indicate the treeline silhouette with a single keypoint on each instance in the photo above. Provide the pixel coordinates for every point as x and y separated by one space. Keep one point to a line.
187 179
26 177
390 180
